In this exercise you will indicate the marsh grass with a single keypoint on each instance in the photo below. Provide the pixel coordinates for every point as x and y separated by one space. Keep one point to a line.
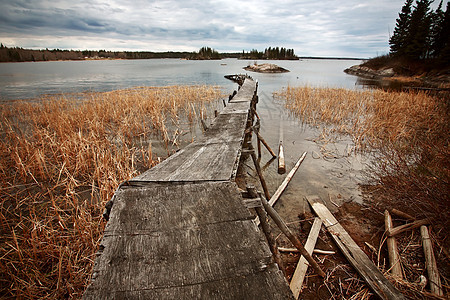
406 135
61 159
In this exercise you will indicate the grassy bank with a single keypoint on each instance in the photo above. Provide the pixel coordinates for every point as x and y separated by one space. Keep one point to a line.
61 159
406 132
406 135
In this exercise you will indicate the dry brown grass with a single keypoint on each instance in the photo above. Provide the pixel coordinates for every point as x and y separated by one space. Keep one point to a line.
61 159
407 136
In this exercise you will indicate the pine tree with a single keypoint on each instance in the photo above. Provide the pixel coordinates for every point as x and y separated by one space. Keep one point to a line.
398 40
418 34
441 35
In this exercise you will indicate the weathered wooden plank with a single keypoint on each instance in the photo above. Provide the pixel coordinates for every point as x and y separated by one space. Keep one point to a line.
196 162
157 207
365 267
225 129
181 257
269 282
302 266
237 108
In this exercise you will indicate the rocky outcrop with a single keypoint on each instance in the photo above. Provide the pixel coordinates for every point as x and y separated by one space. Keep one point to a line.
369 73
266 68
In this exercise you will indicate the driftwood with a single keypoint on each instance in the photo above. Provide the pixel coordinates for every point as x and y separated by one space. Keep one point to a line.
401 214
430 262
402 228
281 162
395 265
365 267
293 238
302 266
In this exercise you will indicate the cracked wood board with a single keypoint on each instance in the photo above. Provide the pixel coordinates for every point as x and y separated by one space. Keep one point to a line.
365 267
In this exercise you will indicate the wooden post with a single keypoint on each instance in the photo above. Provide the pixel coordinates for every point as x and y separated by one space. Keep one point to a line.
281 162
394 258
262 215
302 266
288 233
430 262
258 170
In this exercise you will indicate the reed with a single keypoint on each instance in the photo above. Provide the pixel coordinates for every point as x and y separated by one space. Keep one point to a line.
61 159
406 133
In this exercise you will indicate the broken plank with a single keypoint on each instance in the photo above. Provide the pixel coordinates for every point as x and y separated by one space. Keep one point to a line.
302 266
395 264
430 262
365 267
409 226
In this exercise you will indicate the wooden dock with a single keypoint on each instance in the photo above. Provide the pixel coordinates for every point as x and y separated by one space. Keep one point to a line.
181 229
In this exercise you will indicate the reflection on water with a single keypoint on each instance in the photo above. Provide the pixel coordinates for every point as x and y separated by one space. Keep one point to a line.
31 79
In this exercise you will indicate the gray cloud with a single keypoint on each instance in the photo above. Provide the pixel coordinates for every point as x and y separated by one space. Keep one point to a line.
330 28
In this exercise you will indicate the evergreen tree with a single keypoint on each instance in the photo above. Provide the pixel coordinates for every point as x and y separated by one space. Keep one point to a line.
441 35
418 35
398 40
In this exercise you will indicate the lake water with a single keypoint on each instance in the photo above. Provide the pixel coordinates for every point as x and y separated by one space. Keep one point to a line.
32 79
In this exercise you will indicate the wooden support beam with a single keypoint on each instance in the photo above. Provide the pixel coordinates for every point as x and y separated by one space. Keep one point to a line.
430 262
259 172
402 228
395 265
302 266
293 238
265 144
365 267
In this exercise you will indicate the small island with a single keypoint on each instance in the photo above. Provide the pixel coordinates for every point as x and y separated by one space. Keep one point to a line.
265 68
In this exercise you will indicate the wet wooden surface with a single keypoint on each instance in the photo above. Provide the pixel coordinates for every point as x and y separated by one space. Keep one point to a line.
181 230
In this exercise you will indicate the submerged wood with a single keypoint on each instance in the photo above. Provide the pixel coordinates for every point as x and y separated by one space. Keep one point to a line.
395 265
302 266
286 180
365 267
430 262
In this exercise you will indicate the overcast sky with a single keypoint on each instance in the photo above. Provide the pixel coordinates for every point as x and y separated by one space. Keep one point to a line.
345 28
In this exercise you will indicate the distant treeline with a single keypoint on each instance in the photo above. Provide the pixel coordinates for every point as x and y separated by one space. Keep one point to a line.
270 53
421 33
18 54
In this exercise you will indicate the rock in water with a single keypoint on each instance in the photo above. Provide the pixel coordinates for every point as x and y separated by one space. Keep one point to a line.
266 68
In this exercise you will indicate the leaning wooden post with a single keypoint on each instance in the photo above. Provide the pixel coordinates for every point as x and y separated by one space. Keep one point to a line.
265 144
262 215
394 258
288 233
258 170
430 262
